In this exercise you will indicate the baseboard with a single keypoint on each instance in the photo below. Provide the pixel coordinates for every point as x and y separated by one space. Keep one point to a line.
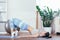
3 32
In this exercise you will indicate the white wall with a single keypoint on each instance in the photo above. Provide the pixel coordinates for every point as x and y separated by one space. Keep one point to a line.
54 4
22 9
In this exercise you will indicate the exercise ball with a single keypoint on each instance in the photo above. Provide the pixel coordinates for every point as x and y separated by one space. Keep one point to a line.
8 28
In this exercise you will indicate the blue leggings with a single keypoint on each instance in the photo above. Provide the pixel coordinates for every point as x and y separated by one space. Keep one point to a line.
18 22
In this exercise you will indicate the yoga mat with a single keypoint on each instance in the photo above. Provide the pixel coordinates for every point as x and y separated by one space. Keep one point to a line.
7 37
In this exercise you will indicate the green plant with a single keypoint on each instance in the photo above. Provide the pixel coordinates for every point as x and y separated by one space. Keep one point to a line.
47 16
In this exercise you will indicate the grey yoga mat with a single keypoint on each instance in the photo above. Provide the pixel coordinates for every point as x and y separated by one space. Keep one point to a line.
7 37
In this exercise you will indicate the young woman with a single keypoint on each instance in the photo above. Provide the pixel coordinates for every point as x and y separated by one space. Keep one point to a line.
17 24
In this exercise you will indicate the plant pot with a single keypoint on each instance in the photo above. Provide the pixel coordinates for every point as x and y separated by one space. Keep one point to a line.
48 29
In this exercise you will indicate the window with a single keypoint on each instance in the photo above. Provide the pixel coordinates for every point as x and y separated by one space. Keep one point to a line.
3 10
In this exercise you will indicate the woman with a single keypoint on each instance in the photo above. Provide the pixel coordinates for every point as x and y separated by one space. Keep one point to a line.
17 24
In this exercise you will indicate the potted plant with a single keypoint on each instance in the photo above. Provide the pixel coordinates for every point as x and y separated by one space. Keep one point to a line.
47 17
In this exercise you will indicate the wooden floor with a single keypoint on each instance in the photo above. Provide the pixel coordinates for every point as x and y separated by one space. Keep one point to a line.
54 38
28 38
